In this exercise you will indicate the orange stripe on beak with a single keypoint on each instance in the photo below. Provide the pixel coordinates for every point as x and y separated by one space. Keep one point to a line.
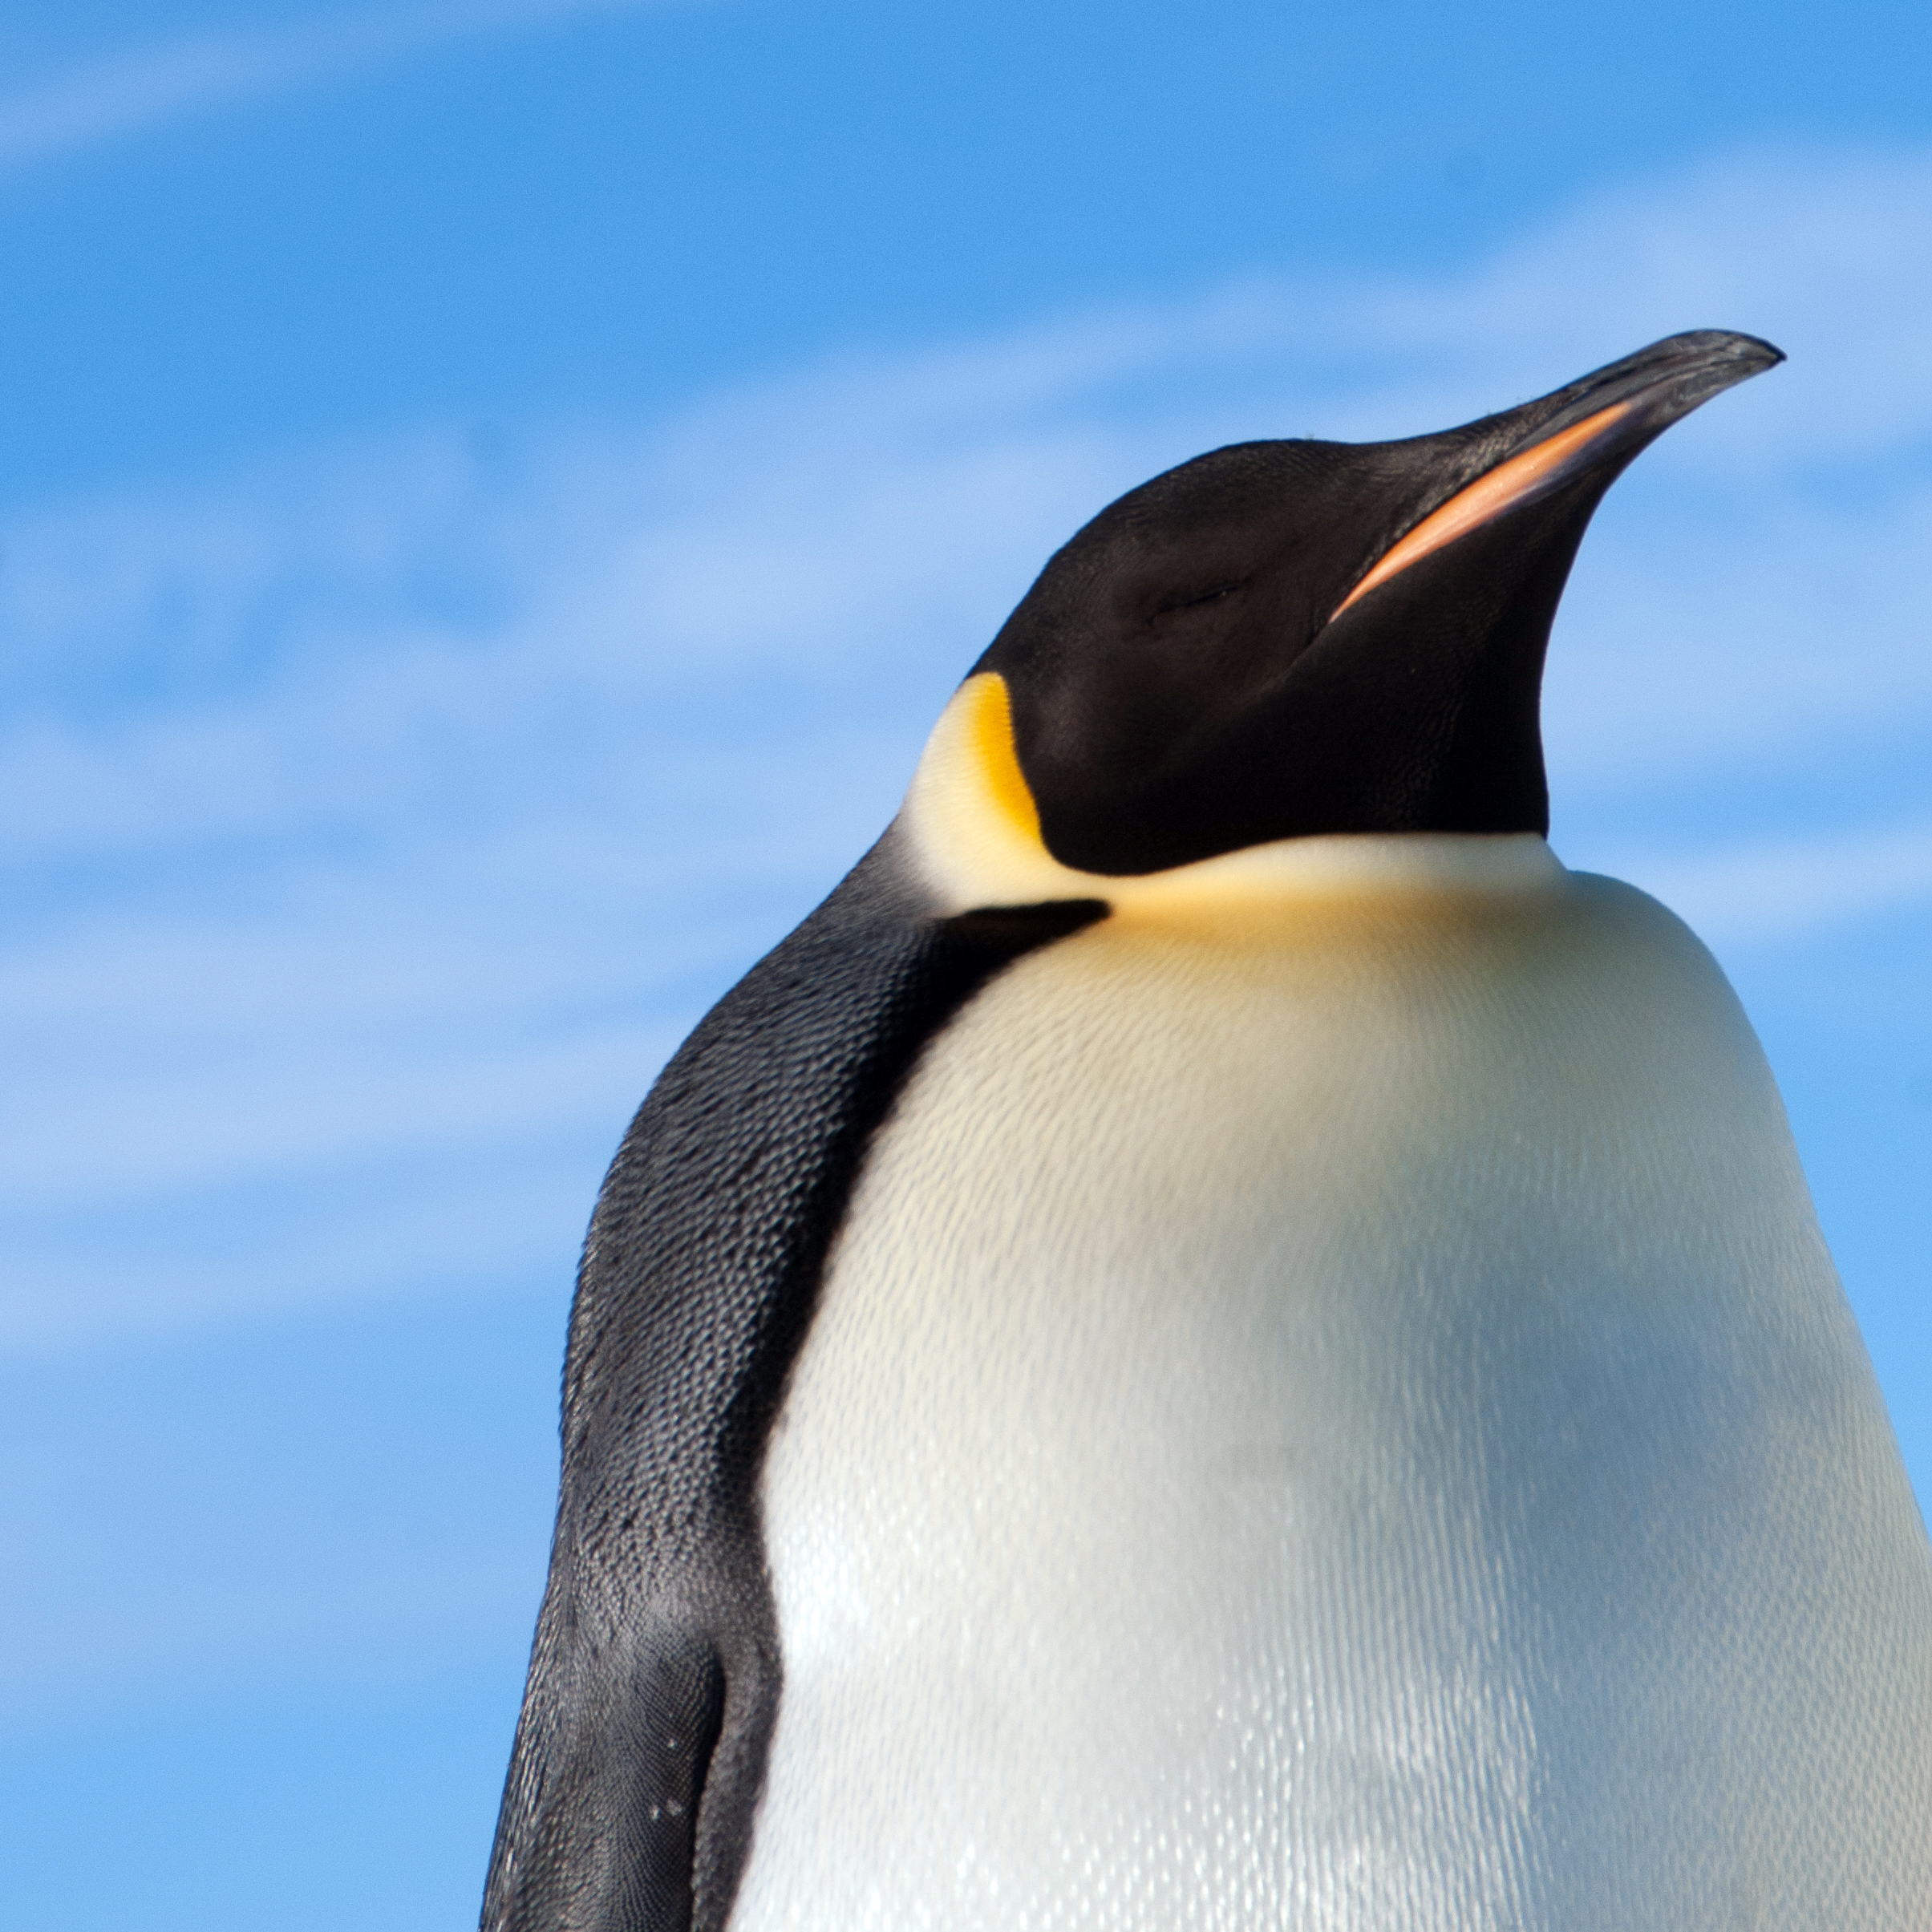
1539 469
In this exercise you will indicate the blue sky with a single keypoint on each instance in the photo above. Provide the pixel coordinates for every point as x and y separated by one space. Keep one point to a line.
491 497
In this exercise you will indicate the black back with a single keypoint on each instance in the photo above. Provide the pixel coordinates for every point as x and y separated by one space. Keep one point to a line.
655 1680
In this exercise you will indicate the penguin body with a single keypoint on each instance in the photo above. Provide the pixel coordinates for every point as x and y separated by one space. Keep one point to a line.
1217 1341
1346 1384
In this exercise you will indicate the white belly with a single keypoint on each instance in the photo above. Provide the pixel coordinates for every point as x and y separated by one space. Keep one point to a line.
1344 1425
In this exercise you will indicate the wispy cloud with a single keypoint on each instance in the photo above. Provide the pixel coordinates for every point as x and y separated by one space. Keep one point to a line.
388 810
136 91
1783 888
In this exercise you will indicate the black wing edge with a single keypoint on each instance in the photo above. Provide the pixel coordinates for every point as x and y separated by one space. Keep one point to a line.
655 1675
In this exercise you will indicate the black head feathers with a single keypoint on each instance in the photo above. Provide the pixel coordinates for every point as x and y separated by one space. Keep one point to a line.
1285 639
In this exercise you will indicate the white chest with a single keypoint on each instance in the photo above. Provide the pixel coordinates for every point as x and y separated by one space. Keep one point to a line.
1349 1428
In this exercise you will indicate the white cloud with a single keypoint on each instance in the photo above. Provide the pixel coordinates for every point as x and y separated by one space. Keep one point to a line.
1828 253
1783 888
134 92
391 808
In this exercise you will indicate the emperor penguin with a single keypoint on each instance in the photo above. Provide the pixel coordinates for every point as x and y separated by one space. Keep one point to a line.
1218 1343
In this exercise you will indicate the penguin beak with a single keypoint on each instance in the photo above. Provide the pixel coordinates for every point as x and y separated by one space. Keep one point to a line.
1595 425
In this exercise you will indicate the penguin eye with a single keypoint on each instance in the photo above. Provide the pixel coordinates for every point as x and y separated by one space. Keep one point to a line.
1204 596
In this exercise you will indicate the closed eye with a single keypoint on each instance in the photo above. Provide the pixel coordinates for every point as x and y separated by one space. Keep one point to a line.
1206 597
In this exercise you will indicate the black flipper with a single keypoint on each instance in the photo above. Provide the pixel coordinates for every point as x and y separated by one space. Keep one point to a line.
655 1677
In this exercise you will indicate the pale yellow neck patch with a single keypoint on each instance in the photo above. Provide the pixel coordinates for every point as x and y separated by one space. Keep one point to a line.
974 830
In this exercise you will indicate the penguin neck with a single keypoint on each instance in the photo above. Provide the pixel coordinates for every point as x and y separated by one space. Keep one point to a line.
974 837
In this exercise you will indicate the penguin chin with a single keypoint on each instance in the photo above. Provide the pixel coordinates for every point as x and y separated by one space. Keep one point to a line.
973 832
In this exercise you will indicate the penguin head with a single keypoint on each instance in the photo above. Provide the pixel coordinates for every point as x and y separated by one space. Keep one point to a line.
1285 640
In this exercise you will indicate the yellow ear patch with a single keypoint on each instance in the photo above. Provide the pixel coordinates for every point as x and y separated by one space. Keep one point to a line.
988 724
971 814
